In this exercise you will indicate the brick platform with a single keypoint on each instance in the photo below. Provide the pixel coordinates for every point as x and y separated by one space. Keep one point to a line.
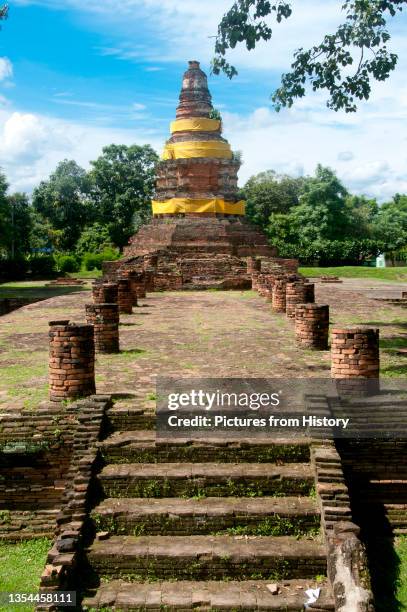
71 360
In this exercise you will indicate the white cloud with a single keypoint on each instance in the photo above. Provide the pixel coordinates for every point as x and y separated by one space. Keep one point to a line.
32 145
6 68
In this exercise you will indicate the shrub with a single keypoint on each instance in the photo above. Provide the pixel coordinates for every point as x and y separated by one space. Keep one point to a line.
42 265
93 261
67 263
13 269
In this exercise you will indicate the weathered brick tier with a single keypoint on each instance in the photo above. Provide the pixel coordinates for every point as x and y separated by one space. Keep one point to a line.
295 294
312 326
71 360
125 296
198 177
355 359
105 321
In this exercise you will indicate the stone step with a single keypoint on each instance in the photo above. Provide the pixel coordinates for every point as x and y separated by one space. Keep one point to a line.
250 595
206 557
126 416
257 515
206 479
143 447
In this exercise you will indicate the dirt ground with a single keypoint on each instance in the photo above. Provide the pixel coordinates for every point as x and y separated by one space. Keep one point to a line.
187 334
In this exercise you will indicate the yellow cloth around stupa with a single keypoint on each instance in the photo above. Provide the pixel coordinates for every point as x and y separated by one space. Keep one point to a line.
197 148
190 205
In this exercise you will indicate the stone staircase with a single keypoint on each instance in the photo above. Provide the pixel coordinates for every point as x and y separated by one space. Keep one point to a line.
213 525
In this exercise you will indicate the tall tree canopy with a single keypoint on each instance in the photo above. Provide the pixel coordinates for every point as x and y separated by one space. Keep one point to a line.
270 192
4 214
63 201
122 186
344 63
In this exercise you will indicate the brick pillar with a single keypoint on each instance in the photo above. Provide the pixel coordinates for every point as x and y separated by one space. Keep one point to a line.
105 293
125 300
105 321
131 276
255 281
139 285
253 265
71 360
279 295
151 262
295 294
355 360
149 280
312 326
309 293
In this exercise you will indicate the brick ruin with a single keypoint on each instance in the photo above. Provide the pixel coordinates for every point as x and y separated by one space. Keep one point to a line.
198 237
98 477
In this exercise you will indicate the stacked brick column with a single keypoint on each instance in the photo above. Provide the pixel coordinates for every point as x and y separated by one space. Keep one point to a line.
139 285
131 276
149 280
356 360
255 280
151 262
312 326
125 296
71 360
105 293
253 265
309 293
279 295
105 321
295 294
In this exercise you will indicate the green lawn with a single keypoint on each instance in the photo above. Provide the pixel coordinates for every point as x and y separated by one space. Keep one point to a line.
381 274
21 566
401 552
32 290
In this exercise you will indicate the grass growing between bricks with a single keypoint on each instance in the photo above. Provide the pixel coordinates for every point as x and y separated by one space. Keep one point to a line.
21 565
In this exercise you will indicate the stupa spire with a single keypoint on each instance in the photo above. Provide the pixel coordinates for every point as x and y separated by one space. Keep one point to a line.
195 99
198 172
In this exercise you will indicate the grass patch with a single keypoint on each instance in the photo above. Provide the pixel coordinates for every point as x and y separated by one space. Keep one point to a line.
33 290
21 565
381 274
388 567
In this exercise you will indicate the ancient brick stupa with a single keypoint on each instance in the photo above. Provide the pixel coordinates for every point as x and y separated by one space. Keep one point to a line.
198 236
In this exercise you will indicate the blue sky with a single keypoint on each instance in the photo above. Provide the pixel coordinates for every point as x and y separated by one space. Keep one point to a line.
74 78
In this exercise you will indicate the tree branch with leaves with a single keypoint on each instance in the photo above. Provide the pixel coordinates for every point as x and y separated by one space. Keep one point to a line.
360 41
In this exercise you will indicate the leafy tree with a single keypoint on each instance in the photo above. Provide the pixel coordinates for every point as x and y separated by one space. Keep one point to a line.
344 63
360 214
94 239
321 212
63 202
390 224
268 193
122 186
20 223
3 11
4 214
